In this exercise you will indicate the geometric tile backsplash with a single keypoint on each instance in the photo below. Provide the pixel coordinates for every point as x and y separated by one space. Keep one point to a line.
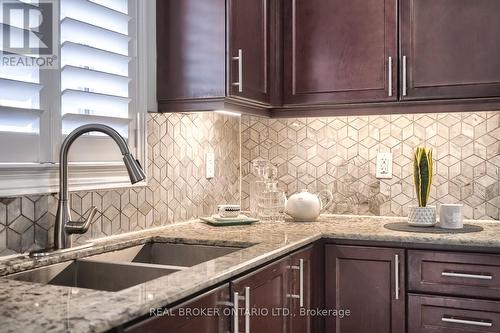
339 154
336 153
177 188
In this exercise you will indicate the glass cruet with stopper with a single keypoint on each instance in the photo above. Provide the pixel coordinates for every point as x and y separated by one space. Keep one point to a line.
273 203
263 172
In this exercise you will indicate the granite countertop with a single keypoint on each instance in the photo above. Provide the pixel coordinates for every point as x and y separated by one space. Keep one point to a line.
30 307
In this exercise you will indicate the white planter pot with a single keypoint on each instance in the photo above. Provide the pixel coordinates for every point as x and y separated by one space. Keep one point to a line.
422 216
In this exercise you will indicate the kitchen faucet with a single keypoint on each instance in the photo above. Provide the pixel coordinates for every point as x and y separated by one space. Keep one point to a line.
64 226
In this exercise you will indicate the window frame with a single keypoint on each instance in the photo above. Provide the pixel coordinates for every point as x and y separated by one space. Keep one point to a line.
41 178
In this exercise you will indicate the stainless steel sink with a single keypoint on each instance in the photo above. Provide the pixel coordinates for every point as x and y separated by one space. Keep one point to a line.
93 274
175 256
117 270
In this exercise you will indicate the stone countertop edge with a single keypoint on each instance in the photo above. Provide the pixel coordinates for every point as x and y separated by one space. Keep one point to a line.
31 307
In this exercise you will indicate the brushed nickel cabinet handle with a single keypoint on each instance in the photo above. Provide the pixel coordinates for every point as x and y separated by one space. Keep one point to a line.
236 318
389 76
404 76
300 296
247 309
396 276
301 283
467 276
466 322
239 58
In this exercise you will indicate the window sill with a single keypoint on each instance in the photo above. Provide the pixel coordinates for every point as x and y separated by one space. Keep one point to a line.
29 179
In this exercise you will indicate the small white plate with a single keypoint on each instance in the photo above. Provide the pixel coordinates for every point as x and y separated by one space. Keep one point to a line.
217 217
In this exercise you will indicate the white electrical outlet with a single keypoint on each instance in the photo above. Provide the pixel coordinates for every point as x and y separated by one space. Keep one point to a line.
384 165
209 165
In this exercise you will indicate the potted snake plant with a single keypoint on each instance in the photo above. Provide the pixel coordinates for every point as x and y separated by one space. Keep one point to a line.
422 215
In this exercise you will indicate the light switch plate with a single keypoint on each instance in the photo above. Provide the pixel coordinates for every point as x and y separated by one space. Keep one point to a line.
209 165
384 165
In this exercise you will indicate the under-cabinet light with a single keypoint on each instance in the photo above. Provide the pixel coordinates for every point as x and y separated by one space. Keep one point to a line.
229 113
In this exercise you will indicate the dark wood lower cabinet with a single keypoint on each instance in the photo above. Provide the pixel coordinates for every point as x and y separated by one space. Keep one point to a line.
438 314
306 277
272 299
458 274
362 288
369 283
261 298
191 316
281 294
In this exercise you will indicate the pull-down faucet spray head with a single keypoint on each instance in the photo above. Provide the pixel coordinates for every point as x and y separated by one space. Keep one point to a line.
134 169
64 226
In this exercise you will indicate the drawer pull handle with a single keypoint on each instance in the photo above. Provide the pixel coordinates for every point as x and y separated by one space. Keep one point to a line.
467 276
466 322
396 276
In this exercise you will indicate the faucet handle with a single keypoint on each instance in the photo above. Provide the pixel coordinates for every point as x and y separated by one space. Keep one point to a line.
80 227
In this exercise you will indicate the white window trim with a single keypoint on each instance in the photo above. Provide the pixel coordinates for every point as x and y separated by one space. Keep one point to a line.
41 178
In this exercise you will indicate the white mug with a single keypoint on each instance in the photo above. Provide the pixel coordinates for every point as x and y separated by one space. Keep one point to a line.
450 216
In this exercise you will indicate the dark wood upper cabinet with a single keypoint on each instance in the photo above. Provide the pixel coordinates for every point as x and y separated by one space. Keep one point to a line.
249 49
198 62
185 317
191 51
451 49
260 295
339 51
370 282
293 58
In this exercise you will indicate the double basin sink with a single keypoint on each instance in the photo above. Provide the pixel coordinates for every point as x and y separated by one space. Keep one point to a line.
117 270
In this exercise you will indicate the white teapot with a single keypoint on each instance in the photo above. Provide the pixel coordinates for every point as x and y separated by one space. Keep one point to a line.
305 206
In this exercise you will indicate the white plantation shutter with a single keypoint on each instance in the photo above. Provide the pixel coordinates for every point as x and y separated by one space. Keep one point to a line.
20 107
100 46
95 74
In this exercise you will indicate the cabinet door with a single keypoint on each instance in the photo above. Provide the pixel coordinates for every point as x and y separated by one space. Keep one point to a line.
451 48
249 49
338 51
262 300
191 49
305 289
369 282
205 313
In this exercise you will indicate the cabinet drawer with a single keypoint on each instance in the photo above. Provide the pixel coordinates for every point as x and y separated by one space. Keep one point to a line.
459 274
204 313
436 314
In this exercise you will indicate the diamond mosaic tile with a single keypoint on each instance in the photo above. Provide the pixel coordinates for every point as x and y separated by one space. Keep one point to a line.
338 153
18 217
177 189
